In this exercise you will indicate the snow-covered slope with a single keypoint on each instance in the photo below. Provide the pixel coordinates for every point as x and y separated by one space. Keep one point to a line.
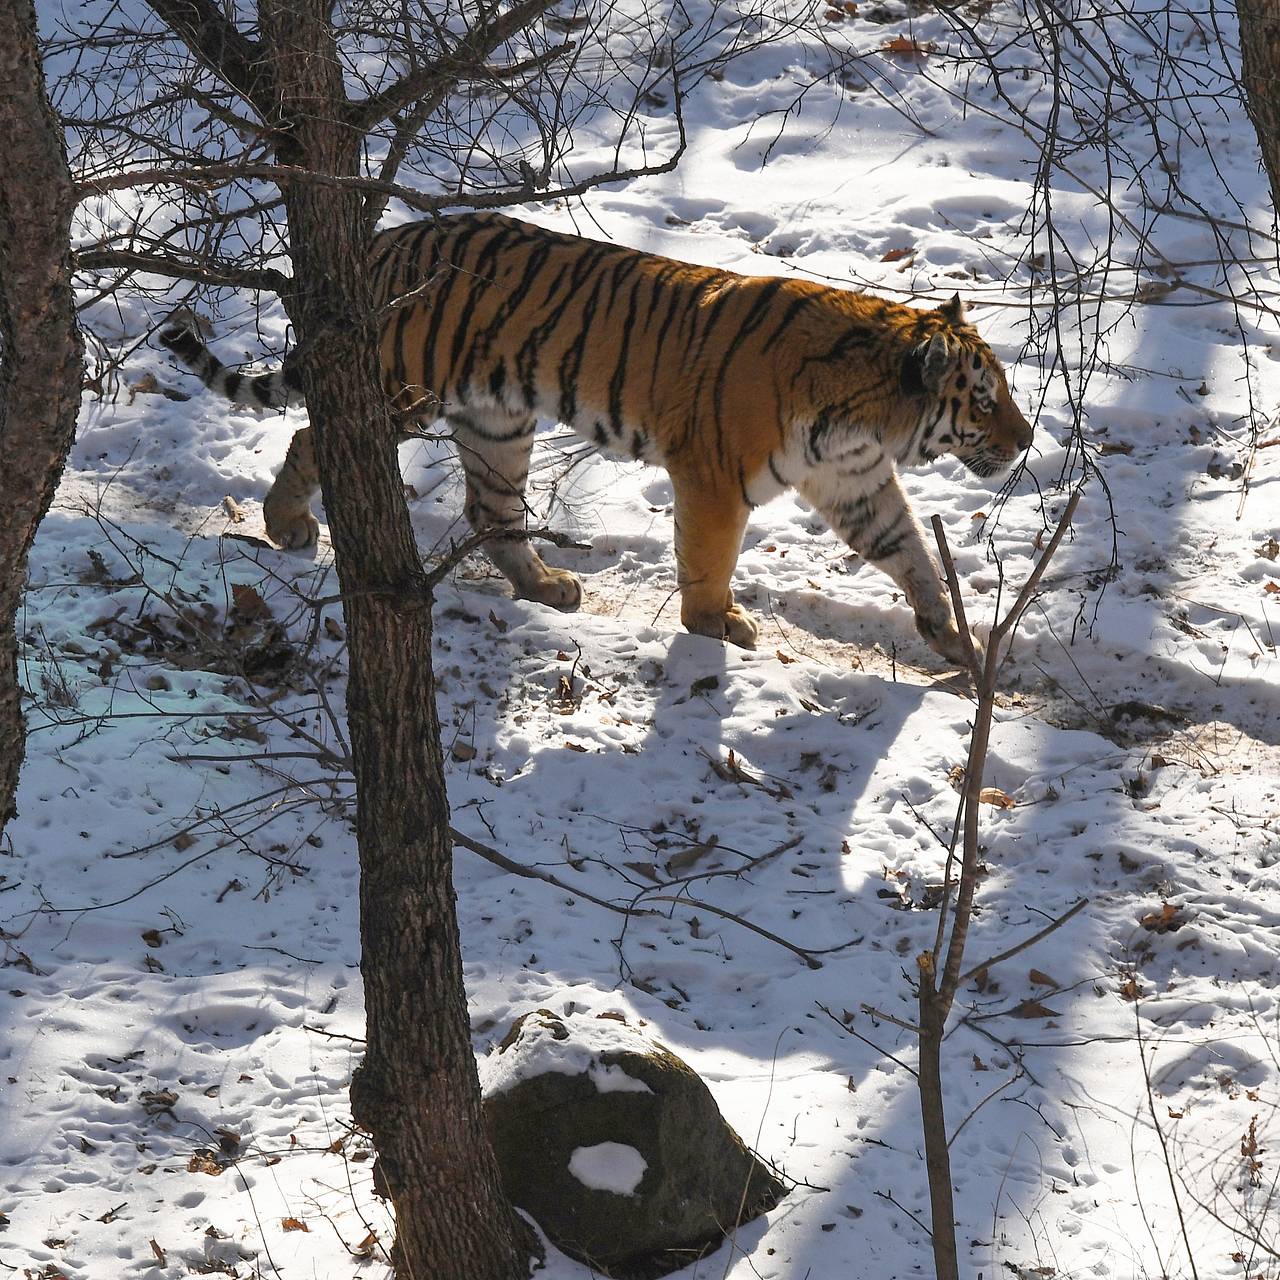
181 1006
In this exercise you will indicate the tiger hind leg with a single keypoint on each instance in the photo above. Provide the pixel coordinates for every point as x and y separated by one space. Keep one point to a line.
495 448
286 510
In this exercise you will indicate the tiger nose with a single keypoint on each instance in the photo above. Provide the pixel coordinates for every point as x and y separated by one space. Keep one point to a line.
1023 432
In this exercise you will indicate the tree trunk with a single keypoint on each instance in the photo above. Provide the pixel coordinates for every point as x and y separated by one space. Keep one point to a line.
1260 72
417 1091
41 353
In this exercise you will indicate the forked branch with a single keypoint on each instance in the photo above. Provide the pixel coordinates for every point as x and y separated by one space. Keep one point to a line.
939 977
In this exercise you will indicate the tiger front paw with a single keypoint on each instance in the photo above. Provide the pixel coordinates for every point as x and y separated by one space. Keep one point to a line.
557 587
944 638
733 624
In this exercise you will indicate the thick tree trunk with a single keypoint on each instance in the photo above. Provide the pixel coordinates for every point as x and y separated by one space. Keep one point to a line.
417 1090
1260 71
41 354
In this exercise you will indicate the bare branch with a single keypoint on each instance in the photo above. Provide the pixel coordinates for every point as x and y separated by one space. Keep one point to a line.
435 80
217 44
214 273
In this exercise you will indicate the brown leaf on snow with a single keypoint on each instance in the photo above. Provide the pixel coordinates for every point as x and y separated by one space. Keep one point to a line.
908 47
248 603
994 796
202 1161
295 1224
784 658
1032 1009
1169 919
896 255
1041 979
691 854
1272 588
1131 990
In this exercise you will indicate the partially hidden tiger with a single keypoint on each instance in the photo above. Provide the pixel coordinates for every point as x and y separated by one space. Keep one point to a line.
741 387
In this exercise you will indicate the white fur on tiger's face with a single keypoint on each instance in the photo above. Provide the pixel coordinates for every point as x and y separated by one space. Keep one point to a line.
740 386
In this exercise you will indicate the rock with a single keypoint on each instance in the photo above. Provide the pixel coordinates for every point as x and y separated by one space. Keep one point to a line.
615 1147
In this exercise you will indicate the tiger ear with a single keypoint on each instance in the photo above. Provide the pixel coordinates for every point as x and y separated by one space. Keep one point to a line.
953 312
928 365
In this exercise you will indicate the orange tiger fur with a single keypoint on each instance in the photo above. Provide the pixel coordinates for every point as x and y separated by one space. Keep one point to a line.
740 386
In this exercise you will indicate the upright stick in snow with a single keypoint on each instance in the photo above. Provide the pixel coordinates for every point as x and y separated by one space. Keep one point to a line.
940 968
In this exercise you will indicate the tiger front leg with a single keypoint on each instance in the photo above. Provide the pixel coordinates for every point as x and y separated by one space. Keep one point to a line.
495 452
708 535
286 510
879 524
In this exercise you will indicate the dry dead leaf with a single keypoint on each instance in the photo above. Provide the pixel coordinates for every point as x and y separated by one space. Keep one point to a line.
203 1161
248 603
1109 447
1131 990
896 255
1272 588
1169 919
994 796
295 1224
908 47
1032 1009
685 858
785 659
462 752
1041 979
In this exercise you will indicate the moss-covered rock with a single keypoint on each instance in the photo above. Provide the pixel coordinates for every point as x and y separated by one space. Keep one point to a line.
658 1176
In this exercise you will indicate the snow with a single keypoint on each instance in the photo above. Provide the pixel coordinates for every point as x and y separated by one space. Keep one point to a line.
608 1166
180 1009
574 1047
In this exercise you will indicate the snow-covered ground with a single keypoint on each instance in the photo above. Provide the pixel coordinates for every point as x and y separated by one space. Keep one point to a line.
181 1002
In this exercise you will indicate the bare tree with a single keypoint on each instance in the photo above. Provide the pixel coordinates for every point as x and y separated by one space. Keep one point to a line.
941 969
1260 73
41 355
210 137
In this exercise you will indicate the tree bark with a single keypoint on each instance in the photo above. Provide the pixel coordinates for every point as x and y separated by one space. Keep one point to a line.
417 1090
1260 73
41 353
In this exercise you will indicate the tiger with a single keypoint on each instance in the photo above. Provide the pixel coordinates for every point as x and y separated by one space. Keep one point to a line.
741 387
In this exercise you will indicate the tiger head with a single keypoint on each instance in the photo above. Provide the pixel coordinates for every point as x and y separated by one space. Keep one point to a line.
969 411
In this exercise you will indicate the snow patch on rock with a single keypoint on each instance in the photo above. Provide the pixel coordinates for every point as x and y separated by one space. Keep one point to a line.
609 1166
